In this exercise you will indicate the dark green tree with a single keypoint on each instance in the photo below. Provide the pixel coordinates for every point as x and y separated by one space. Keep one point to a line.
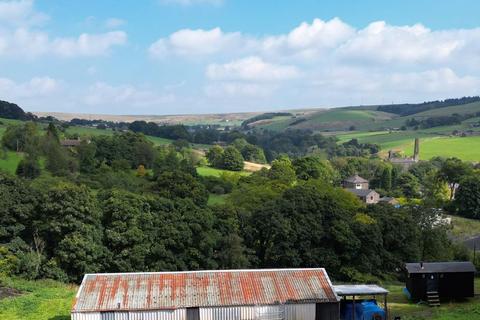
467 200
232 159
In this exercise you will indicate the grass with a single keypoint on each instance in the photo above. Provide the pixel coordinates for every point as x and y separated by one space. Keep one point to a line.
159 141
10 162
465 148
464 228
213 172
400 306
214 199
41 300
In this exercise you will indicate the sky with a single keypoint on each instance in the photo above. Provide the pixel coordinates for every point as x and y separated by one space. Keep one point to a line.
219 56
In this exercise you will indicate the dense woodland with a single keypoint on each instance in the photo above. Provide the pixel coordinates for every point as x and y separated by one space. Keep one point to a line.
117 203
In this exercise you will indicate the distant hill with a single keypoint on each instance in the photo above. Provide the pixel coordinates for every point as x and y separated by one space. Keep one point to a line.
10 110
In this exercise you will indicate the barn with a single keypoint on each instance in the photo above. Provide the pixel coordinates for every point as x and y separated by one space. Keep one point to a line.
432 281
275 294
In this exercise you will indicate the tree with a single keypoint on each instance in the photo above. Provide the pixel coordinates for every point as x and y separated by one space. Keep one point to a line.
215 156
409 185
128 223
467 200
178 184
28 168
282 170
386 179
86 157
452 171
314 168
232 159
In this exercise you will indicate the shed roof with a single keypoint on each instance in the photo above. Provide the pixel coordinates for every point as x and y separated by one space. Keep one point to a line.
361 192
438 267
356 179
173 290
359 290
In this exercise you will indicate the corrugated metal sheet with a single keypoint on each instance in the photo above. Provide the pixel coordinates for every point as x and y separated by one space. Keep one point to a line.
175 290
179 314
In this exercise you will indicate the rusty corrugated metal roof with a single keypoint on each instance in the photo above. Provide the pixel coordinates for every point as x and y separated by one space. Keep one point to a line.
173 290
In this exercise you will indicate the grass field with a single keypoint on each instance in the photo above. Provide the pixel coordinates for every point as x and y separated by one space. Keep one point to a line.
400 306
431 144
212 172
464 228
10 162
41 300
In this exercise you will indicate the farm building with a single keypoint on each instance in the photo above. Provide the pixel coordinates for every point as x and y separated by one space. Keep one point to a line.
406 163
356 182
432 281
275 294
368 196
360 187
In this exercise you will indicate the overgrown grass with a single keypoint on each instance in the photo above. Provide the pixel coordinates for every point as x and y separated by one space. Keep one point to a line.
41 300
209 171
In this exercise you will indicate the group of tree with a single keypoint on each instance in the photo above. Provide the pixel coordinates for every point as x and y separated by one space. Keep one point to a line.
406 109
439 121
117 203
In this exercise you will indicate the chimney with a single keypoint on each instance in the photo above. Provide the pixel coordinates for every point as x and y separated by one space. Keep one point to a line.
421 265
416 150
390 153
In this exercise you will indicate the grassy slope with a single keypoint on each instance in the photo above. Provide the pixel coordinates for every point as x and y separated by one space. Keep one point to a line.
41 300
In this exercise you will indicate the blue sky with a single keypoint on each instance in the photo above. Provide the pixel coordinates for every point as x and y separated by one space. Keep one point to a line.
213 56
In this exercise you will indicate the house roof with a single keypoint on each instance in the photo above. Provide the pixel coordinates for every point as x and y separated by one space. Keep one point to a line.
70 142
403 160
173 290
356 179
388 199
361 192
440 267
359 290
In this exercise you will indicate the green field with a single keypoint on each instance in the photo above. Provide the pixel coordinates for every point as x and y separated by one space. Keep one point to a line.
159 141
40 300
213 172
431 144
9 162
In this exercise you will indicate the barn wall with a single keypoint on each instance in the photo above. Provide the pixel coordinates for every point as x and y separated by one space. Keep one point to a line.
179 314
287 312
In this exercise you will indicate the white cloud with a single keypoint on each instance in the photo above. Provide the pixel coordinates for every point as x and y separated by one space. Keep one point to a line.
187 42
113 23
27 43
251 69
102 94
20 13
192 2
239 89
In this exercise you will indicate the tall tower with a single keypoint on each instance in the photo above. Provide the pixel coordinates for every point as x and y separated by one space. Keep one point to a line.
416 150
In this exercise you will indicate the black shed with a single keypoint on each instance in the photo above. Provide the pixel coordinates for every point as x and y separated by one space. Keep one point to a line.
447 280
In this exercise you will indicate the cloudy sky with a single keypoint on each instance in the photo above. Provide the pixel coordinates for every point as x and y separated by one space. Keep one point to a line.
212 56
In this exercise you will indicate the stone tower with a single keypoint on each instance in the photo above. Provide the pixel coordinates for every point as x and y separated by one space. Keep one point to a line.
416 150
